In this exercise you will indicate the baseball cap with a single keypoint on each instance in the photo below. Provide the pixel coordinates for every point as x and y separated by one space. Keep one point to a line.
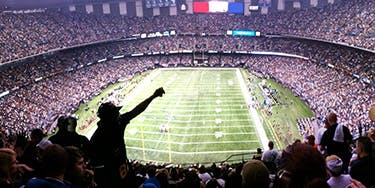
108 109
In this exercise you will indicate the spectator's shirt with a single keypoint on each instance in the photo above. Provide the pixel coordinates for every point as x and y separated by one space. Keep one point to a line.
363 170
62 138
340 149
269 156
29 156
65 138
205 177
47 183
108 140
269 159
109 154
339 182
151 183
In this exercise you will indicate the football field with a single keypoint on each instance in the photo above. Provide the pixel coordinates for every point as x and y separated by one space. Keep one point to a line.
203 117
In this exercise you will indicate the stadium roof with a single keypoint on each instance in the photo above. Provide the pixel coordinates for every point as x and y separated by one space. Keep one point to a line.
27 4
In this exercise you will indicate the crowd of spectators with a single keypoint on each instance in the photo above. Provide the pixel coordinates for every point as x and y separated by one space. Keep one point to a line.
324 89
33 33
36 161
46 86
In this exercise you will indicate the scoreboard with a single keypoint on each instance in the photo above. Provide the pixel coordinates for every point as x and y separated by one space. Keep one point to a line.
218 7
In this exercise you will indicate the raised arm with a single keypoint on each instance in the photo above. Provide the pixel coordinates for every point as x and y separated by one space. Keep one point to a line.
144 104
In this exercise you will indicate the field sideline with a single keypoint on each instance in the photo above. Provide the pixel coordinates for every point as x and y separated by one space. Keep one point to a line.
206 112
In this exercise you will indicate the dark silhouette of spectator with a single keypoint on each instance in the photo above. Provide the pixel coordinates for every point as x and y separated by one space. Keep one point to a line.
67 135
336 140
76 173
162 176
234 179
255 174
299 165
213 183
311 141
258 155
62 135
109 154
54 164
41 147
79 141
362 169
217 175
191 180
30 154
174 177
21 142
2 141
297 141
269 158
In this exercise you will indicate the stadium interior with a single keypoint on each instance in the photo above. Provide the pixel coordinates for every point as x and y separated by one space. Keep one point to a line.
68 57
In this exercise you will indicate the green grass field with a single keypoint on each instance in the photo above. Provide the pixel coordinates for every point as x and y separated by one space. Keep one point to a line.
205 110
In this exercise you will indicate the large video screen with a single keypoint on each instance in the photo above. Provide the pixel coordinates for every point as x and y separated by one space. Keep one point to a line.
200 7
235 8
218 7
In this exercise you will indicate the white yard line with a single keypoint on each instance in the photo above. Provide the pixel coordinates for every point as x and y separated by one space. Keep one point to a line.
195 127
208 115
208 97
195 110
194 143
258 125
198 68
194 152
195 135
197 121
192 105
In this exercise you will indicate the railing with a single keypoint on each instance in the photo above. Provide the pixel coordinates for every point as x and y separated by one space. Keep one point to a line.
237 157
234 158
